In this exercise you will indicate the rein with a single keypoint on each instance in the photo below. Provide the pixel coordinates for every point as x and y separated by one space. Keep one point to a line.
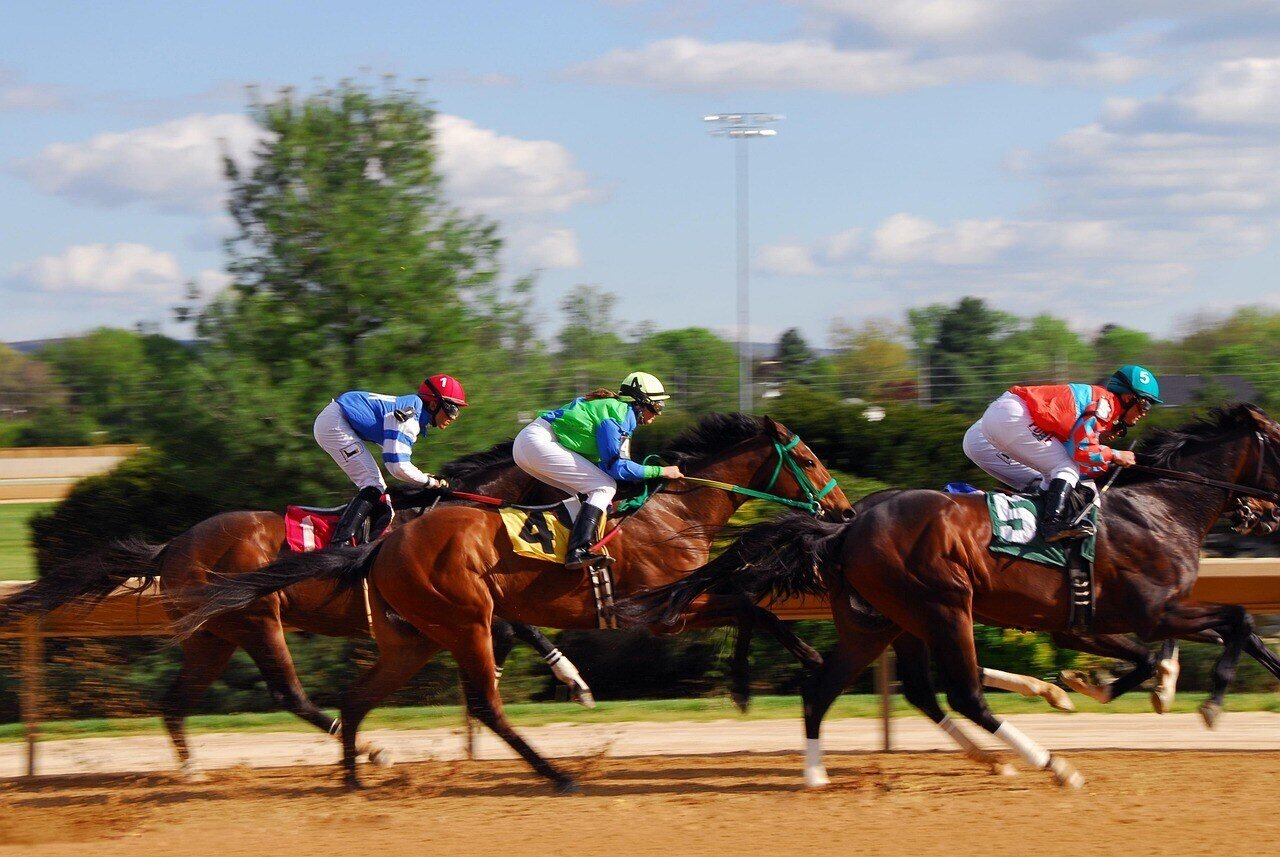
1233 487
812 493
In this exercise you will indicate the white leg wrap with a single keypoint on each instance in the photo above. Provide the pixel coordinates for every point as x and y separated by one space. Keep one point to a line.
815 775
1035 755
957 734
1028 686
563 668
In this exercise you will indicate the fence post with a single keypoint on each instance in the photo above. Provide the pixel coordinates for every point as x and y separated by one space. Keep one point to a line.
884 685
29 697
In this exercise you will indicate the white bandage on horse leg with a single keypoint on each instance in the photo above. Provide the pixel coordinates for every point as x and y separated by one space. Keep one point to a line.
957 734
1028 686
563 669
815 775
1033 753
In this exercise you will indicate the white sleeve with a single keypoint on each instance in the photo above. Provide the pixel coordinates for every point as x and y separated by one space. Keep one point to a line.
398 439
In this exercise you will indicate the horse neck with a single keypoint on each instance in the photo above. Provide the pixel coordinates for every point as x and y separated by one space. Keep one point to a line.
712 508
1198 507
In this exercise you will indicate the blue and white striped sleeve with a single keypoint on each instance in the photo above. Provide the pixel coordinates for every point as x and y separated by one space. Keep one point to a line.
398 439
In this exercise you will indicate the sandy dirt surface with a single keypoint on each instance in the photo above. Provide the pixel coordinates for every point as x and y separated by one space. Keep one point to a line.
143 754
1136 802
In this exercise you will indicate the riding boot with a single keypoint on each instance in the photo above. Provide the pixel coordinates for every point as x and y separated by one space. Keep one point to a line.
1055 522
582 537
354 515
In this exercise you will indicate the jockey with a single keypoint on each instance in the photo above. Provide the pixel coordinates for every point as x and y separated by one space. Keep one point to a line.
1045 437
392 422
585 446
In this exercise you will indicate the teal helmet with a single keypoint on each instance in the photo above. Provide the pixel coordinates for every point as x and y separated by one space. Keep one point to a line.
1133 380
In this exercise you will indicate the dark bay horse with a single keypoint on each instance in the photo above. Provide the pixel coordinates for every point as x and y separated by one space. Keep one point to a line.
437 582
236 543
917 566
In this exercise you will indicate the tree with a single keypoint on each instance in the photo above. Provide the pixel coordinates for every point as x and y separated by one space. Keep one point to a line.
26 385
699 367
965 347
1045 349
872 362
1116 346
796 361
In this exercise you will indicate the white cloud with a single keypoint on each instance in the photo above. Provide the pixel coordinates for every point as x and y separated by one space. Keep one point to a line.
538 245
1243 92
692 64
16 94
496 174
175 166
104 270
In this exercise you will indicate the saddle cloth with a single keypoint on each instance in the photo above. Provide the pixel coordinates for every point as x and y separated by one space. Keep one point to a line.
543 533
307 528
1014 531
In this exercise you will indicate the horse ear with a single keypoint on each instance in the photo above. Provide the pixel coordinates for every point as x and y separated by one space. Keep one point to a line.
1264 423
777 429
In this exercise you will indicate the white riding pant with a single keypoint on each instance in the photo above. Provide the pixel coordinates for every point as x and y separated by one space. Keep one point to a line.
336 436
540 454
1007 444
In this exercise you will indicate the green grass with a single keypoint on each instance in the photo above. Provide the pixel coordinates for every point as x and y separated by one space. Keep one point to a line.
17 559
662 710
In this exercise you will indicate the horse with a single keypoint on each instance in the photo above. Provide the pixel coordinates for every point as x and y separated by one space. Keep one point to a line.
236 543
437 582
916 567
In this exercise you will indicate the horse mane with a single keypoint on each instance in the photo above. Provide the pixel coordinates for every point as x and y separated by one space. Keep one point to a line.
712 434
498 455
1163 447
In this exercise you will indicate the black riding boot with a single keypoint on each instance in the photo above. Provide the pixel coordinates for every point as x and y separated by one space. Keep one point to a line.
582 537
354 515
1055 523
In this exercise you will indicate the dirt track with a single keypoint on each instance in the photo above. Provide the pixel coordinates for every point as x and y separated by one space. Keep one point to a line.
1168 803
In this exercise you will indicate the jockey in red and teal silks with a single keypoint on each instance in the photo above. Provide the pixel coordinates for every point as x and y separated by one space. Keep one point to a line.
1046 437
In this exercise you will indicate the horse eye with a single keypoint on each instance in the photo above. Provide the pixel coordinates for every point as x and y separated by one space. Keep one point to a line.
809 462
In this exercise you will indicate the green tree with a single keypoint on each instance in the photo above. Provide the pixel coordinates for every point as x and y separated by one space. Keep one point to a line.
700 367
872 361
965 346
1045 349
26 385
1116 346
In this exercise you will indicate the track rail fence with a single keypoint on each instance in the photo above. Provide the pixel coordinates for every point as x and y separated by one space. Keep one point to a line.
1251 583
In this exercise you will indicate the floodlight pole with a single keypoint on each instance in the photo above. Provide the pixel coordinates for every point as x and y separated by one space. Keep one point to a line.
741 127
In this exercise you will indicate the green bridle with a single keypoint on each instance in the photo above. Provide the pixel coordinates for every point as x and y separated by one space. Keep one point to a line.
813 495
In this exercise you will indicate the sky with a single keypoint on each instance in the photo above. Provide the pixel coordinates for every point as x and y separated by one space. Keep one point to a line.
1107 161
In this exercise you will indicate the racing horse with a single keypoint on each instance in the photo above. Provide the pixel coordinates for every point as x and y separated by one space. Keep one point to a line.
437 582
236 543
916 565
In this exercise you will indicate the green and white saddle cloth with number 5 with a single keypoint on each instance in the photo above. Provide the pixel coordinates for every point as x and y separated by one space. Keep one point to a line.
1014 532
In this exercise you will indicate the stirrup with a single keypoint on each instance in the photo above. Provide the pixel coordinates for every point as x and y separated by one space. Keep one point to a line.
586 559
1082 530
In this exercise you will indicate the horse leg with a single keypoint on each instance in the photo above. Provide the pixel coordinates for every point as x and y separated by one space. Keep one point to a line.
561 667
1167 670
204 657
400 656
1110 646
918 689
806 654
1026 685
472 648
1232 622
740 666
950 631
853 653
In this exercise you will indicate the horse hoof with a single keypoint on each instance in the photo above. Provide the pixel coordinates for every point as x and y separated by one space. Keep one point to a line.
816 778
1004 769
191 774
1065 773
1211 712
1058 698
568 786
582 695
1161 703
1079 682
741 701
381 757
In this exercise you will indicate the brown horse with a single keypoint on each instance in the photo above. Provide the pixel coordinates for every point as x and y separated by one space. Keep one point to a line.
438 581
236 543
917 566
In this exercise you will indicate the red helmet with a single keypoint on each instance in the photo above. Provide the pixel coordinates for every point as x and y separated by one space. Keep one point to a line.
444 388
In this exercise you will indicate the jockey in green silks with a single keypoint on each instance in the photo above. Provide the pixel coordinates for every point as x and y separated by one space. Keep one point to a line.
584 447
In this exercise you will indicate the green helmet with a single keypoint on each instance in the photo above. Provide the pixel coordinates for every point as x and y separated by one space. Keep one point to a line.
1133 380
643 388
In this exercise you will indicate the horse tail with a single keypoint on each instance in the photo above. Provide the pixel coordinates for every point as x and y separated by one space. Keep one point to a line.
129 563
344 565
774 560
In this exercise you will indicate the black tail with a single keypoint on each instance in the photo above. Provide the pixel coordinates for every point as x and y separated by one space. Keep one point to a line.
86 580
345 565
777 559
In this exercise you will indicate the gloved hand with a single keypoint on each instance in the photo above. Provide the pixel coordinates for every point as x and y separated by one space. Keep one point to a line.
436 483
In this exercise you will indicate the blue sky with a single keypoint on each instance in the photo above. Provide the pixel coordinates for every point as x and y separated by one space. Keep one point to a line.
1105 161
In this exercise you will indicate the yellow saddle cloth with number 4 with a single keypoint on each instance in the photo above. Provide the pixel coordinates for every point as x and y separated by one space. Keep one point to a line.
543 533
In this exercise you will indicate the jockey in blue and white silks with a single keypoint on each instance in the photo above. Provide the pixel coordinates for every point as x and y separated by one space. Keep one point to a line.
394 423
